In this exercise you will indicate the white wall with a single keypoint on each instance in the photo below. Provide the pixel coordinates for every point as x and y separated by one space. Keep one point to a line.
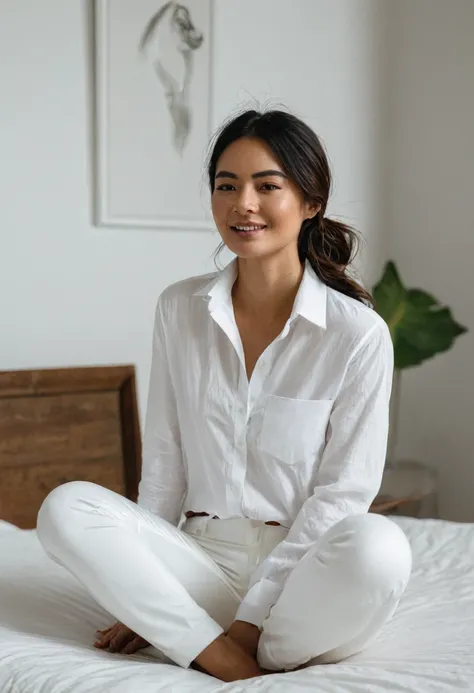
431 227
73 294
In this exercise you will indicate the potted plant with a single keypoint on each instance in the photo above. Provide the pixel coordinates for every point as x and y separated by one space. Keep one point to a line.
420 327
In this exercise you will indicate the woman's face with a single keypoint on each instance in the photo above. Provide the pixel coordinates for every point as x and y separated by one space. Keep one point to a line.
258 210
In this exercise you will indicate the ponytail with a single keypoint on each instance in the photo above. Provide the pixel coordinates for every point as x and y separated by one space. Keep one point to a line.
330 247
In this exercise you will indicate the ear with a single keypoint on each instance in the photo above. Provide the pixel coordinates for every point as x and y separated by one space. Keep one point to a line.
311 211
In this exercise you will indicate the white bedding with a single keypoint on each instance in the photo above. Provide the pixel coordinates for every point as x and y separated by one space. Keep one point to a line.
47 624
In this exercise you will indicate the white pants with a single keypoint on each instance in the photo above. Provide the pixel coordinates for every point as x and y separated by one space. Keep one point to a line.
180 589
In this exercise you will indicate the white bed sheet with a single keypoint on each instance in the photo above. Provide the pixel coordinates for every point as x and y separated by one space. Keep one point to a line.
47 623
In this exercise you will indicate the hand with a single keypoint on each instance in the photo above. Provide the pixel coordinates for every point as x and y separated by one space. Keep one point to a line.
226 660
246 635
119 638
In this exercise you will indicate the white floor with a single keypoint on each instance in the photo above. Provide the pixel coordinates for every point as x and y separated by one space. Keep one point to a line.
47 624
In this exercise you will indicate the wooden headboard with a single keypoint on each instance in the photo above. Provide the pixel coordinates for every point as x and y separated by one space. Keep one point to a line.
60 425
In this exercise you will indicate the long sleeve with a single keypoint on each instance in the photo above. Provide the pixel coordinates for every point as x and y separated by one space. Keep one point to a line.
349 474
163 481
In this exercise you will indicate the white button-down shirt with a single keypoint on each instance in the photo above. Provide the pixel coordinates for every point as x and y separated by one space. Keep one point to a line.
302 443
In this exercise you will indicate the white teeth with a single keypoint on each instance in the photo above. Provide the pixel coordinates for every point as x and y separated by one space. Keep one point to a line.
248 228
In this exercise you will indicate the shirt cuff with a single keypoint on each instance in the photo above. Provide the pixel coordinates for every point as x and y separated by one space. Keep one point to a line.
255 606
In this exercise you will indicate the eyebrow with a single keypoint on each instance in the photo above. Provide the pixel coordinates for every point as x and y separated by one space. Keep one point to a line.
259 174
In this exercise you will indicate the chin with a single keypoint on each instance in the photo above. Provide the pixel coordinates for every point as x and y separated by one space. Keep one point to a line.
249 251
247 247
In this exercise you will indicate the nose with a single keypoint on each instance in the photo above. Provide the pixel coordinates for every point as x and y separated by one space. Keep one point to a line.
247 201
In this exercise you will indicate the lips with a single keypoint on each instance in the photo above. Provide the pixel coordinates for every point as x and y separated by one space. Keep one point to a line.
248 229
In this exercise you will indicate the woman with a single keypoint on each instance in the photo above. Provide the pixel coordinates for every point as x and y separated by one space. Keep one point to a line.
266 430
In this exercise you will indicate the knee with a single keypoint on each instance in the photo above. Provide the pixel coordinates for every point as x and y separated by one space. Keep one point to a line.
374 551
55 516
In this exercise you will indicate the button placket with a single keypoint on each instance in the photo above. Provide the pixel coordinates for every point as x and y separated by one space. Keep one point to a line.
258 378
237 469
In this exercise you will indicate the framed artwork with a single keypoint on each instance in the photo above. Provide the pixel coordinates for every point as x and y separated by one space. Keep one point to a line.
153 80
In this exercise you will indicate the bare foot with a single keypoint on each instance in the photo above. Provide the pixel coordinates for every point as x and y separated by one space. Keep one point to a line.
225 660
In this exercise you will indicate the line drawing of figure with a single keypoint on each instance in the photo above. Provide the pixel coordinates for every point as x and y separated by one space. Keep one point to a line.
168 41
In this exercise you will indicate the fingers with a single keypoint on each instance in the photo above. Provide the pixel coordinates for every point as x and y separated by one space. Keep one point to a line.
119 638
126 643
104 637
138 643
103 633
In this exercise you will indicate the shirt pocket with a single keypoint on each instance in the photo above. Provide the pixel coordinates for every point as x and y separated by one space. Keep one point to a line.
294 430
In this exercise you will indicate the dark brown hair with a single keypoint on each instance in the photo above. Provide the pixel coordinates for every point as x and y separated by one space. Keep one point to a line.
329 245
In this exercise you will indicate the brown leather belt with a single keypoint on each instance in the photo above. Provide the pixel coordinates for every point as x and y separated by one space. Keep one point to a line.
190 513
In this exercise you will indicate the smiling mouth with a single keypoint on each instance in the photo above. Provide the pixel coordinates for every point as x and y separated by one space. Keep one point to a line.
248 229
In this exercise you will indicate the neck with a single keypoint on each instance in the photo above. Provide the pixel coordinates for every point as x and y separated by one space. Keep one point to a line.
267 288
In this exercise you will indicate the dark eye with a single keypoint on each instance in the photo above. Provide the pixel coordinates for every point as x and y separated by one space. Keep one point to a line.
270 186
225 187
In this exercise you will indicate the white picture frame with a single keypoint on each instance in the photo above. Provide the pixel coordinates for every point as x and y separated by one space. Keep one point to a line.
153 123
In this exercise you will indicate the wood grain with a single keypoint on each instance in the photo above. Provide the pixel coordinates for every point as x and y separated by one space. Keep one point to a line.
59 428
59 425
28 486
56 380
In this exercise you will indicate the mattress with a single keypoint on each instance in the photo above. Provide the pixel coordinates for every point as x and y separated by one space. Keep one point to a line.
48 621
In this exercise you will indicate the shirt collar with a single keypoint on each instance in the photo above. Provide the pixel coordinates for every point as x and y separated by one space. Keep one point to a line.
219 289
310 301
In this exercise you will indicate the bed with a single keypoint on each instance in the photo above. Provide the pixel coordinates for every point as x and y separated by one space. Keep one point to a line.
48 621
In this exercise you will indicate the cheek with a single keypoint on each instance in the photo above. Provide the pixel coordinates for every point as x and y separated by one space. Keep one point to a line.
220 207
285 209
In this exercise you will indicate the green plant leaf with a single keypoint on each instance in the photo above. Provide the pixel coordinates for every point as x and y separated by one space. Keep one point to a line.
420 326
420 299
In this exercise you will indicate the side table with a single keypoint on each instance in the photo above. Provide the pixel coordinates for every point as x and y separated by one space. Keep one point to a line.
409 489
